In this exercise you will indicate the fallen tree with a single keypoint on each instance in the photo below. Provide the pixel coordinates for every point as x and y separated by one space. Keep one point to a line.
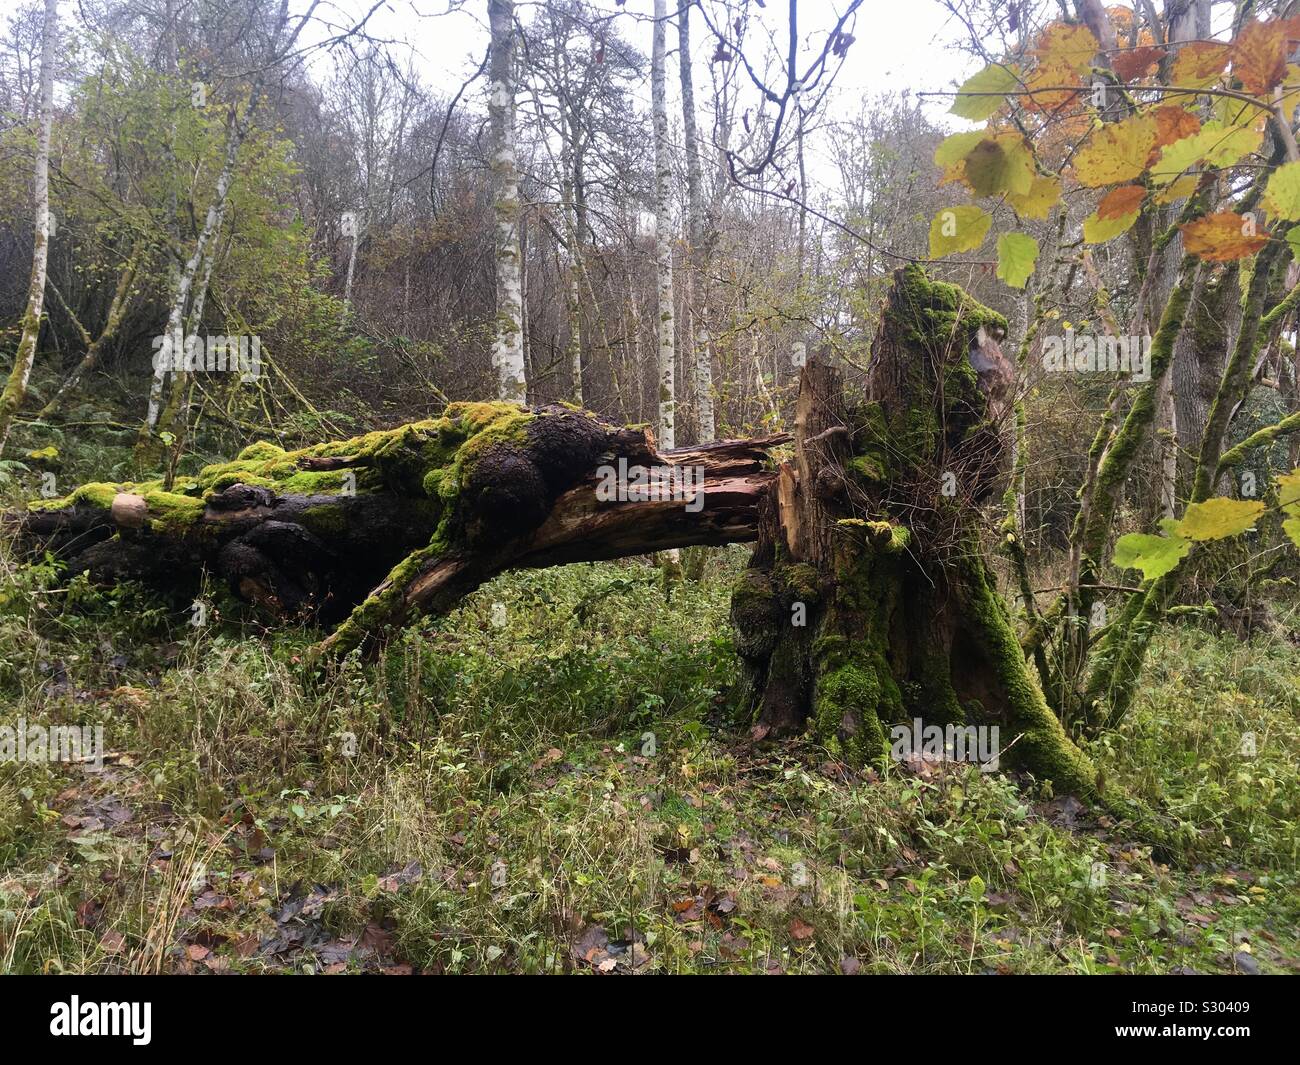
372 531
868 600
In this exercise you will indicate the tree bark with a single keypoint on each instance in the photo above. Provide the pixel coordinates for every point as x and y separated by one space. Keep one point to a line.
15 389
666 323
698 357
508 349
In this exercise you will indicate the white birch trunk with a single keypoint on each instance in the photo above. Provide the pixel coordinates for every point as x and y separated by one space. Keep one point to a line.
508 350
695 228
16 387
216 209
352 262
663 247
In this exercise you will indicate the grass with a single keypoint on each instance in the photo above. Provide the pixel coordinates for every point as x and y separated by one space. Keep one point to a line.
551 780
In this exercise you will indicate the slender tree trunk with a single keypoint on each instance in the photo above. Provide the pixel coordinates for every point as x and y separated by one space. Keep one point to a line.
238 128
117 309
696 333
175 344
665 324
1198 357
16 388
508 349
352 259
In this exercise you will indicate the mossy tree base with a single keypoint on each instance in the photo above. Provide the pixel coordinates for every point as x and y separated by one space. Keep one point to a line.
868 601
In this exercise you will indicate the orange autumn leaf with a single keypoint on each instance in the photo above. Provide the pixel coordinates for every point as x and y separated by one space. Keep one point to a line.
1199 64
1222 237
1259 55
1121 17
1121 201
1134 63
1051 79
1173 123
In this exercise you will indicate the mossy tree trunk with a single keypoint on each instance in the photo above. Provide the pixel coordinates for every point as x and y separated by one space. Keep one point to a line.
370 532
869 600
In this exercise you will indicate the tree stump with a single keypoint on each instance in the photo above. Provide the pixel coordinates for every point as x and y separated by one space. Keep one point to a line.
869 601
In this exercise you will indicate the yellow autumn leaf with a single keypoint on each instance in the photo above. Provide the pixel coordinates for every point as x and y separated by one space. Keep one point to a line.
1229 144
1116 153
1063 45
1098 230
958 229
954 149
1043 193
974 100
1017 254
1288 492
1259 55
1282 194
1199 64
1218 518
1292 528
1179 189
1121 201
1216 144
998 165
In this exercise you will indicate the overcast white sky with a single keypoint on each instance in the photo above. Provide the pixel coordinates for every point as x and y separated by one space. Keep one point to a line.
906 46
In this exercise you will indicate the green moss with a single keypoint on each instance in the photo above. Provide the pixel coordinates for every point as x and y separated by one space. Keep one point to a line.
100 495
869 467
936 316
262 451
939 322
388 603
1041 745
172 513
855 691
801 582
754 614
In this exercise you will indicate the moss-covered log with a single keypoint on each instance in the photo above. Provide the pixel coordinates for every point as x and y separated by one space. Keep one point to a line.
868 601
365 533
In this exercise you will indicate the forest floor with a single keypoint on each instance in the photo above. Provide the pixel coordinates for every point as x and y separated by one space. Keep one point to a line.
551 779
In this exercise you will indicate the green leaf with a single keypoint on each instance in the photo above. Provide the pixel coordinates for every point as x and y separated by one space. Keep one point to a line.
1282 196
976 885
957 229
955 148
1292 528
1218 518
1293 238
1288 490
999 165
994 78
1017 254
1153 555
